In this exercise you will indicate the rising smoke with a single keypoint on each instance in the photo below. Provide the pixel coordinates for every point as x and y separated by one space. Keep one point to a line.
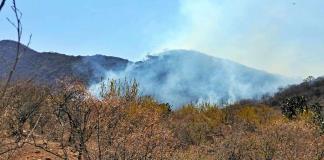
181 76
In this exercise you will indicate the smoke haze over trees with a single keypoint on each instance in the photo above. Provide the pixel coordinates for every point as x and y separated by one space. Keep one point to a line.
182 76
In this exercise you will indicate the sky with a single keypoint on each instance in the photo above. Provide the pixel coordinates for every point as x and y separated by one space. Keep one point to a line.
279 36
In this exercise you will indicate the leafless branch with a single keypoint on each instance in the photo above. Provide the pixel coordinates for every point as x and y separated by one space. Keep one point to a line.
45 149
32 131
19 29
2 4
21 144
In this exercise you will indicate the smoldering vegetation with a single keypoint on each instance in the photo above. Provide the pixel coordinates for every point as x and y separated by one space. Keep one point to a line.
183 76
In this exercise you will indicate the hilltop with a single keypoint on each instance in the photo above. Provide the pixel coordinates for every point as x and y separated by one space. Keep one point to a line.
50 66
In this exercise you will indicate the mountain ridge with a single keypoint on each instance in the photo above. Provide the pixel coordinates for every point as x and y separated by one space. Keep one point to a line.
185 76
49 66
175 76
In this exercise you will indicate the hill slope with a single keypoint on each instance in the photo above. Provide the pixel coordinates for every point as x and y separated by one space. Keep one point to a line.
183 76
311 88
177 76
47 67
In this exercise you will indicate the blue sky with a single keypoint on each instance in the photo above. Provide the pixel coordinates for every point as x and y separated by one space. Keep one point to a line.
279 36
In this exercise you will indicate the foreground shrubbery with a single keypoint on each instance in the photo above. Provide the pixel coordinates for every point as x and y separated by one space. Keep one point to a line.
68 123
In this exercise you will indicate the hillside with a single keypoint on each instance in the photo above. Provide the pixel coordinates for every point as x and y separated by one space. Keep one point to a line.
184 76
49 66
311 88
64 122
176 76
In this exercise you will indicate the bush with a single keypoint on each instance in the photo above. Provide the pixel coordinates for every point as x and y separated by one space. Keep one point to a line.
317 114
194 125
293 106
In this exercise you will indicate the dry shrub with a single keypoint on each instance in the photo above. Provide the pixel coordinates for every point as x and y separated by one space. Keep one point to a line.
195 125
134 127
294 140
68 122
274 137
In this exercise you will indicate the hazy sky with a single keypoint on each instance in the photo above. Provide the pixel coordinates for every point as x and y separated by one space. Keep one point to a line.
279 36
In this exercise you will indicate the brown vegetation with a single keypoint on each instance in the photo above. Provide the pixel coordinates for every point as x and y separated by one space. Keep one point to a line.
66 122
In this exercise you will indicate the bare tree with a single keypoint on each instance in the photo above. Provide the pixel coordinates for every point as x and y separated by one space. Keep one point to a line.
21 116
19 49
25 106
74 109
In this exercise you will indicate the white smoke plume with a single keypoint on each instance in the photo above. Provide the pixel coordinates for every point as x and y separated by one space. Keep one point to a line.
289 35
180 76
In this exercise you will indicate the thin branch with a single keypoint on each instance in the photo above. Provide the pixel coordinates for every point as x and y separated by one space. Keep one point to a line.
12 23
45 149
32 131
21 145
10 149
18 26
2 4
